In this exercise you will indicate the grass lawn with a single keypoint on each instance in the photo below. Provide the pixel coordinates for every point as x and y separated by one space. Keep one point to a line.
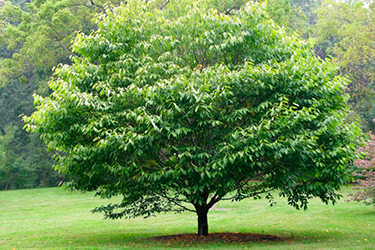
51 218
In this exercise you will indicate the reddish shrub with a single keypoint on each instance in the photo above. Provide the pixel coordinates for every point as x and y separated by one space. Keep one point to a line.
365 177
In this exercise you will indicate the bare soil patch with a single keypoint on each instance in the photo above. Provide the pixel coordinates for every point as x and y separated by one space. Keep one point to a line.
220 237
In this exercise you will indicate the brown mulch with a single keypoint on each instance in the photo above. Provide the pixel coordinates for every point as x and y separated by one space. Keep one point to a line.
220 237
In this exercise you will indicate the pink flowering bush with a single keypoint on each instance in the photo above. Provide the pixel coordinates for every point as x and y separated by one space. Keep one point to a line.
366 174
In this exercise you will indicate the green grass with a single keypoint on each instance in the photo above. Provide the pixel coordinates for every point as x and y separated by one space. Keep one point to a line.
51 218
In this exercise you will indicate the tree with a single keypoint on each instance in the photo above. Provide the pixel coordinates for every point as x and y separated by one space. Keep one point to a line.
176 108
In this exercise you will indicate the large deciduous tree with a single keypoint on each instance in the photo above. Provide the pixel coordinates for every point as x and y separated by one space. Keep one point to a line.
176 107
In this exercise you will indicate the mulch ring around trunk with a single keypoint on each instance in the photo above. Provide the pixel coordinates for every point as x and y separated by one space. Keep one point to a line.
220 237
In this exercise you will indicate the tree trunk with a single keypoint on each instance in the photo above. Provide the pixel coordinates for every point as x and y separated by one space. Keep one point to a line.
8 179
202 210
202 223
7 185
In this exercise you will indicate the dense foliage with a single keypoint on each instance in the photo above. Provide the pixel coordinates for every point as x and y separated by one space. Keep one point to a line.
177 107
36 35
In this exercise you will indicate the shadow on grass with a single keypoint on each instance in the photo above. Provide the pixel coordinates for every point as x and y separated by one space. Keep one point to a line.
368 214
312 236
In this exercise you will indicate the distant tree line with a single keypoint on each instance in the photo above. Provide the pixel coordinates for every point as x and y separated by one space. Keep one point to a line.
35 36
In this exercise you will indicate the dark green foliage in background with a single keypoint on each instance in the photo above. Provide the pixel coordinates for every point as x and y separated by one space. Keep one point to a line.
29 155
36 36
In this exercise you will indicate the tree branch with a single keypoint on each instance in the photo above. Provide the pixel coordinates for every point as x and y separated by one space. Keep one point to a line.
175 201
166 3
249 195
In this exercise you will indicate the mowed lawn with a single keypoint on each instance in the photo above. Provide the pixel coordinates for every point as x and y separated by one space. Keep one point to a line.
51 218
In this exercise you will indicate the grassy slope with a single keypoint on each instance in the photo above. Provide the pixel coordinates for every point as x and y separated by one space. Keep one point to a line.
53 219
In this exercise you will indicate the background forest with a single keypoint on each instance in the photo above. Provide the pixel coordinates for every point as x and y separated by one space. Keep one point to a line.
36 35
